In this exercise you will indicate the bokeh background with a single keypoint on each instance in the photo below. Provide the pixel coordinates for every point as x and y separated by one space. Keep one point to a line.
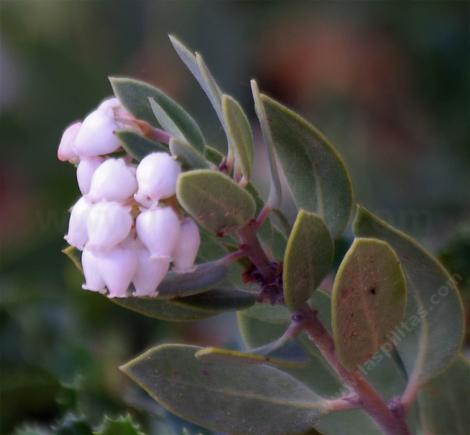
387 82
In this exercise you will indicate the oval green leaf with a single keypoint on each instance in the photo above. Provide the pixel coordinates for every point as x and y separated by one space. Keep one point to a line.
215 200
189 156
316 174
138 146
240 134
134 96
307 260
368 302
432 333
231 397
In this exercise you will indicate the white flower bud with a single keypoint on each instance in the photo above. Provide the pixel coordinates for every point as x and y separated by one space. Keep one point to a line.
108 224
113 180
156 176
93 280
150 272
187 246
117 268
85 170
77 234
97 134
158 229
66 151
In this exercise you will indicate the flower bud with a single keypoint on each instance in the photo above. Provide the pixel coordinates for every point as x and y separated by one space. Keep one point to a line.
187 246
97 134
85 170
77 234
113 180
156 176
158 229
117 268
150 272
66 151
93 280
108 224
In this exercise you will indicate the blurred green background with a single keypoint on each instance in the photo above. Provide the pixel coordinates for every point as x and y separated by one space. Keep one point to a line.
387 82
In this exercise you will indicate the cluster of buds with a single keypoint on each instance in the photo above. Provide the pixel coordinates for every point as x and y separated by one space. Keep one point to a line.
128 227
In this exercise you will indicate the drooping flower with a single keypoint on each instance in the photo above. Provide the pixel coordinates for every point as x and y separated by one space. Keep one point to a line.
97 133
117 267
150 272
108 224
77 234
85 170
158 229
66 151
187 246
93 280
157 174
113 180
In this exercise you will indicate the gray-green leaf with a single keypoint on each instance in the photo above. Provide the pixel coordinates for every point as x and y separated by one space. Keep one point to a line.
369 299
230 397
432 332
135 95
188 155
139 146
315 173
240 135
215 200
307 260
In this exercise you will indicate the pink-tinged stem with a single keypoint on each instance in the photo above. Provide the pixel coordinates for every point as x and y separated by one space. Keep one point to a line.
263 215
410 393
369 398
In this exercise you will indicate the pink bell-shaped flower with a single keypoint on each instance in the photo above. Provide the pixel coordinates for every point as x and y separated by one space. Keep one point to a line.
158 229
85 170
66 151
117 268
108 224
187 246
93 280
113 180
157 174
150 272
77 234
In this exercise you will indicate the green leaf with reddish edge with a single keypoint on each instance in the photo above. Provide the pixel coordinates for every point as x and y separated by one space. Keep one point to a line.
240 135
231 397
188 155
215 200
444 400
174 120
315 173
134 96
197 307
432 332
275 190
368 302
138 146
307 259
201 73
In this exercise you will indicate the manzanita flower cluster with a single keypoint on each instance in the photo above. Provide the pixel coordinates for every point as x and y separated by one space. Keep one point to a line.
126 223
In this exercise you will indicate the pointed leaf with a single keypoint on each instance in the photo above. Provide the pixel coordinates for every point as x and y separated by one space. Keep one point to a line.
173 119
139 146
189 156
275 191
134 95
369 299
444 400
190 308
213 155
231 397
215 200
432 333
240 134
201 73
119 426
307 260
74 256
315 173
